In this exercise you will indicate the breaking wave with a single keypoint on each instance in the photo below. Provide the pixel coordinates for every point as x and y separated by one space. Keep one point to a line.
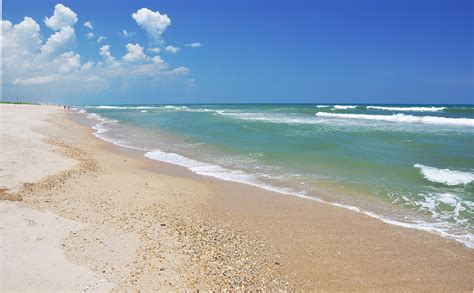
402 118
445 176
408 109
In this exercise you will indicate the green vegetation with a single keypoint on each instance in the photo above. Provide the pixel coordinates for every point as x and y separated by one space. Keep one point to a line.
21 103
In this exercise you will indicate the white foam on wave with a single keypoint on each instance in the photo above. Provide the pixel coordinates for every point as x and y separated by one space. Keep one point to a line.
200 167
445 176
323 106
407 109
402 118
102 126
443 206
186 109
270 118
166 108
123 107
112 107
144 107
174 107
344 107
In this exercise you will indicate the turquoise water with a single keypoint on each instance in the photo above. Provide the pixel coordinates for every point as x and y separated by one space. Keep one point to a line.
406 165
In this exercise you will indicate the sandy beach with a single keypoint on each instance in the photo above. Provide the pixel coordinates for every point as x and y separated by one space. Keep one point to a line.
78 213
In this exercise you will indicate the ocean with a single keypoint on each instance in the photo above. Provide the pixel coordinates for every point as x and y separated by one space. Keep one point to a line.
407 165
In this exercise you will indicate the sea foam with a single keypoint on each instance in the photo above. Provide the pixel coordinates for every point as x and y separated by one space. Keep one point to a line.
344 107
402 118
269 118
445 176
408 109
123 107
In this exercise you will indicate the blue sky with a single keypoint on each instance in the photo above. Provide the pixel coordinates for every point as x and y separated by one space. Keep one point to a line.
250 51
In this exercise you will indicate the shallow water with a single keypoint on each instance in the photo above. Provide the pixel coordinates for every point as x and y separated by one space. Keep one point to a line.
407 165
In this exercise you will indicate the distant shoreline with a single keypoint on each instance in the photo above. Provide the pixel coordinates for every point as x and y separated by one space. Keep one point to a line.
19 103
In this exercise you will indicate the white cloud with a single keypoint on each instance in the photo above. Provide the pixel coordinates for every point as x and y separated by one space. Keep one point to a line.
68 62
89 35
87 66
154 50
21 43
153 22
22 38
104 51
89 25
35 80
63 16
172 49
158 60
134 54
194 45
34 60
100 39
128 34
59 42
180 70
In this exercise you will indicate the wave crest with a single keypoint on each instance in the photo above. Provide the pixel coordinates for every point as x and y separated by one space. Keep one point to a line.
402 118
408 109
445 176
344 107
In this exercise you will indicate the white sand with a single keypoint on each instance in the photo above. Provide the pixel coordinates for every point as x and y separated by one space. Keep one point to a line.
23 155
31 257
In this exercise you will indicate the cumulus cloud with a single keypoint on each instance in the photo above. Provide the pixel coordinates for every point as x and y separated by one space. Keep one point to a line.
193 45
62 17
35 80
89 35
35 60
88 24
127 34
172 49
60 41
87 66
154 50
22 38
158 60
153 22
68 62
135 53
180 70
104 51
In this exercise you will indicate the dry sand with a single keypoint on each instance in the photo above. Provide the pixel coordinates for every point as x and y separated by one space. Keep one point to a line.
31 254
30 241
139 224
25 157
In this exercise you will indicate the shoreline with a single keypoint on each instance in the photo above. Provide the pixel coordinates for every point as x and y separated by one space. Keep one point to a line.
217 234
420 225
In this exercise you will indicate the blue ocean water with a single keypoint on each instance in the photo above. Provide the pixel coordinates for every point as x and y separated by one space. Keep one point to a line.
409 165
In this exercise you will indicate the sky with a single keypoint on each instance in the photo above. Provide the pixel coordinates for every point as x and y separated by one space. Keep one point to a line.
342 51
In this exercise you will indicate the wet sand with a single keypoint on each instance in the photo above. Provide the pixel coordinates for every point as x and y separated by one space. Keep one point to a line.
147 225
